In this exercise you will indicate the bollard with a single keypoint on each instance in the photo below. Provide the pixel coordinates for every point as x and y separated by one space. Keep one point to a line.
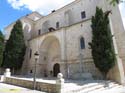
59 83
7 73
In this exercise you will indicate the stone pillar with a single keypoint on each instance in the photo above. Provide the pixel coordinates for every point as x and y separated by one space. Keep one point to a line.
59 83
7 73
2 79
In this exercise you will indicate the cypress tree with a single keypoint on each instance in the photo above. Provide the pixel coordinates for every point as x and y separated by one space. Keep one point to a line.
102 44
15 48
1 47
115 1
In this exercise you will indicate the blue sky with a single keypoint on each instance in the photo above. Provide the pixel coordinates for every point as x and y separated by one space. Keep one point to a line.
9 14
11 10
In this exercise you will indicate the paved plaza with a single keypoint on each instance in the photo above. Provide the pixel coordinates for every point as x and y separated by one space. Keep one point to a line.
6 88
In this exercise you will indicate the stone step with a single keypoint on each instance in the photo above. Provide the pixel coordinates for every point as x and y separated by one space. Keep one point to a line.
111 86
104 90
91 87
73 89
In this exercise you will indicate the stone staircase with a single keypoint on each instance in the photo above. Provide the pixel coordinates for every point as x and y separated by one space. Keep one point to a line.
92 87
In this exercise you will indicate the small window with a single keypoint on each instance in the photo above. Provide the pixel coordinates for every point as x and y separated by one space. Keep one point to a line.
57 24
39 31
82 43
30 53
83 15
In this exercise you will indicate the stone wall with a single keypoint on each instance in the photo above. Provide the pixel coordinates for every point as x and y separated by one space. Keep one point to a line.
68 39
42 86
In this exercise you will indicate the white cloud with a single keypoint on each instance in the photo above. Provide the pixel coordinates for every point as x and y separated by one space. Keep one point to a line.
42 6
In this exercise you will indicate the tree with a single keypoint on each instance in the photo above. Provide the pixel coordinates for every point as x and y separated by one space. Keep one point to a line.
15 48
115 1
102 44
1 47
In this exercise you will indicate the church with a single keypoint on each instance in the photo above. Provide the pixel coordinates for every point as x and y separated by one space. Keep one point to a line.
61 39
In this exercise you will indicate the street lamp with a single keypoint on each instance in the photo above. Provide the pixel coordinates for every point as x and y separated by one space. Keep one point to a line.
34 78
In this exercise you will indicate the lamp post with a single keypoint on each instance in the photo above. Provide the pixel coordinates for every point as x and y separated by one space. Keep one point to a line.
34 78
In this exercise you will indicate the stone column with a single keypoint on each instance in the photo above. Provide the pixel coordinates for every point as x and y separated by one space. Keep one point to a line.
7 73
59 83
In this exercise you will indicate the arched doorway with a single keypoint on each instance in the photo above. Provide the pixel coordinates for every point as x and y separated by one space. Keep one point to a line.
56 69
50 54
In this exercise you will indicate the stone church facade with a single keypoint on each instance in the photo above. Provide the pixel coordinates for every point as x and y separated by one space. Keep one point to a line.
62 38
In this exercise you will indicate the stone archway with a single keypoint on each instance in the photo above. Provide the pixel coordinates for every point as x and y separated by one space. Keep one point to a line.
50 54
56 69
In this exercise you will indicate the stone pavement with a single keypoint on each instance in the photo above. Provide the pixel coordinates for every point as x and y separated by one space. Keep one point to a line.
6 88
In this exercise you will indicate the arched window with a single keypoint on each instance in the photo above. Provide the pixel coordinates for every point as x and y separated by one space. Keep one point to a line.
82 43
30 53
39 31
57 25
